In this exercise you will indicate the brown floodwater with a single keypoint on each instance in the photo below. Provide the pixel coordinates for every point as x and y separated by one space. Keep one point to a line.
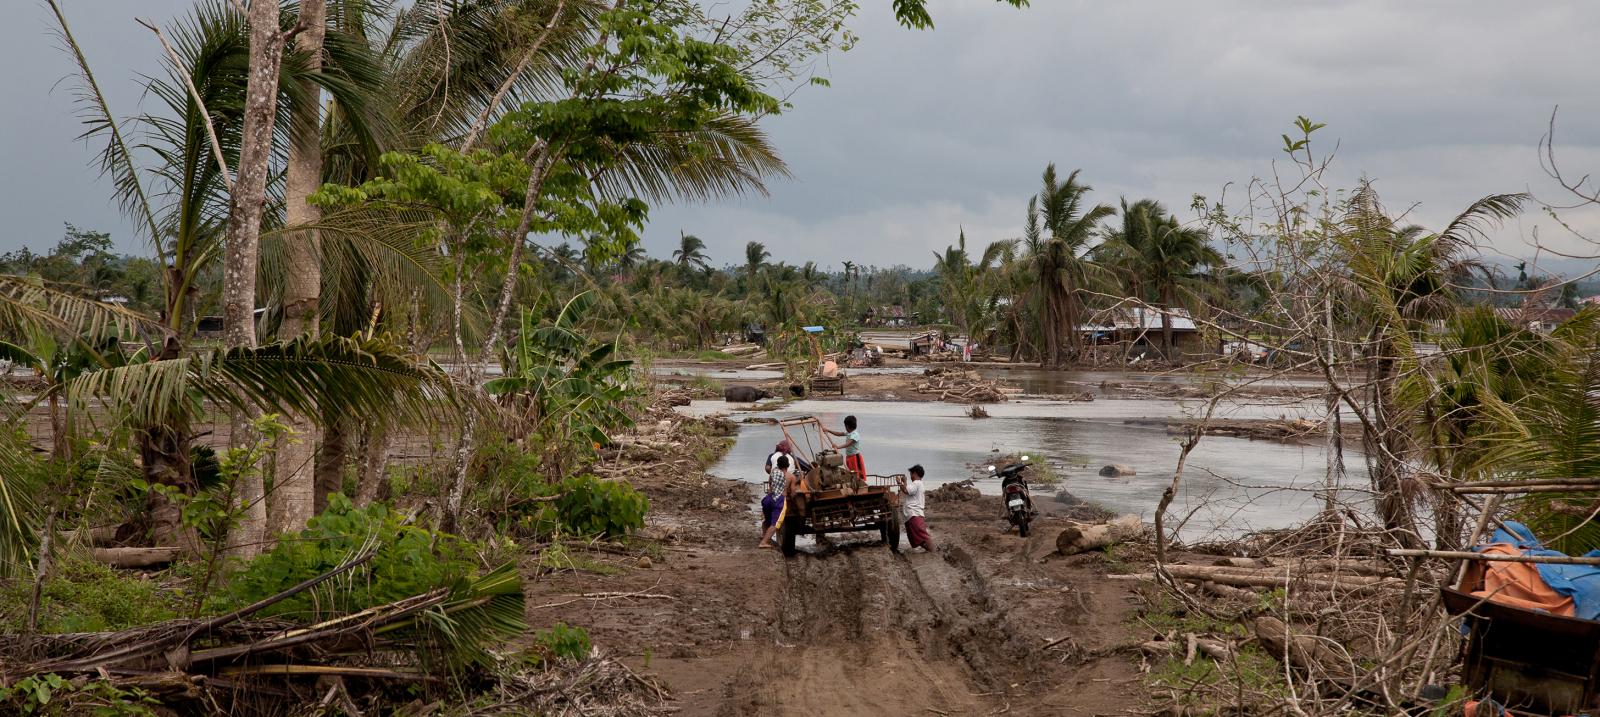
1231 485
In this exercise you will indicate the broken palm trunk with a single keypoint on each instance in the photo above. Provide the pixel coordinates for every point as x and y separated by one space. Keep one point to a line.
424 639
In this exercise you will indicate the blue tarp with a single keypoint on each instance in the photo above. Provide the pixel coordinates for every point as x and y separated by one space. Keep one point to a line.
1580 582
812 329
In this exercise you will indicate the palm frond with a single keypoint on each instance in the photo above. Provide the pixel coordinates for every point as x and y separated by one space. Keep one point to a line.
1470 225
729 156
368 377
29 305
115 160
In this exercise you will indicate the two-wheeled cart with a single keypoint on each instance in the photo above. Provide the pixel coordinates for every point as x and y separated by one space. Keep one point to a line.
831 498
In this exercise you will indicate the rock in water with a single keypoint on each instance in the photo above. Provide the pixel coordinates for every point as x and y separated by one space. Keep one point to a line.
1117 470
743 394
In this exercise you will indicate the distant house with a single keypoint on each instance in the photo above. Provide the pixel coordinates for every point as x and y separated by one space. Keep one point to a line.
1543 320
892 316
208 327
1139 329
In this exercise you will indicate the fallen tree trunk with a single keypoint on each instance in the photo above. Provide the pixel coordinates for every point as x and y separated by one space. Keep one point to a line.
1465 555
92 537
1081 538
1272 576
1303 651
135 557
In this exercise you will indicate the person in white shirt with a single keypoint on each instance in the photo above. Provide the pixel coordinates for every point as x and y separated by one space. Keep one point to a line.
912 501
780 483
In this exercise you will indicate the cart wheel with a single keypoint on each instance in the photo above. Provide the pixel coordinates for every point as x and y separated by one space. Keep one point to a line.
890 530
790 531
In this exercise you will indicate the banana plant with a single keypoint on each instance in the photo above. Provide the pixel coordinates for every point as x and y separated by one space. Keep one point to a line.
569 388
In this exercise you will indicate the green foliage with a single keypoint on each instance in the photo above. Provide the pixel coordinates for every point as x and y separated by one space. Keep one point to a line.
563 642
410 560
590 506
1253 671
51 694
570 388
914 13
82 595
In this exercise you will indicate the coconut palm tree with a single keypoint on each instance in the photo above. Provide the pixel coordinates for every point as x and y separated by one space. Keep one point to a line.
1403 275
1160 260
969 287
690 253
755 257
1057 235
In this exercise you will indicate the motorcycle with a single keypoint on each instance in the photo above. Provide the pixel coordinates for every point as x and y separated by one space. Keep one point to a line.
1014 495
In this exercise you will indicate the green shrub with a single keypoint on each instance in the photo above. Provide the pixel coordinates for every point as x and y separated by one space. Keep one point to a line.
410 560
51 694
85 596
563 641
590 506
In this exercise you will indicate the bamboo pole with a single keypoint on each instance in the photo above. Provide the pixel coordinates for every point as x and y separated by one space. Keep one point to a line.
1470 489
1529 482
1466 555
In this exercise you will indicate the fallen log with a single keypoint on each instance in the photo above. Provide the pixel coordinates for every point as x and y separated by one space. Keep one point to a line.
92 537
1270 577
1228 591
135 557
1303 651
1466 555
1081 538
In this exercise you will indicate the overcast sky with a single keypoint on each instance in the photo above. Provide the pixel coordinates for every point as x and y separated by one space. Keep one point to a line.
924 132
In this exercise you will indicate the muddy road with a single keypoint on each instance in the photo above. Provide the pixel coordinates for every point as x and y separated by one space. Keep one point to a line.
988 623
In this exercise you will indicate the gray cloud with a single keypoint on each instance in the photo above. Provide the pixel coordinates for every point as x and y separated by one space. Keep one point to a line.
922 132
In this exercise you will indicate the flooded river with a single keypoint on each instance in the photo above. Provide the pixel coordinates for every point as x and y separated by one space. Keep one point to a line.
1231 486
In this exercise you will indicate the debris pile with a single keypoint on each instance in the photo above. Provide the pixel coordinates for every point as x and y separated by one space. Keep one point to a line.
236 662
964 385
744 350
957 492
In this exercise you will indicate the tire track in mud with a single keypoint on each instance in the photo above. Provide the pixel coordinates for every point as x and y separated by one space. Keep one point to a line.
861 630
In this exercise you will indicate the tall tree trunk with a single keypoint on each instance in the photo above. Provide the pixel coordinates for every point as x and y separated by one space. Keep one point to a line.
1069 326
245 207
332 456
296 495
164 460
517 238
58 428
1166 323
372 462
1385 448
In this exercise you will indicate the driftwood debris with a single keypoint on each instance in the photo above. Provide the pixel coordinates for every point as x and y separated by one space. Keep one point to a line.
1082 538
135 557
963 385
240 655
1280 577
1308 653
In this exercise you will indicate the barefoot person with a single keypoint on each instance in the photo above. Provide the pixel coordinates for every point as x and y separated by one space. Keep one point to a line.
912 500
852 448
778 486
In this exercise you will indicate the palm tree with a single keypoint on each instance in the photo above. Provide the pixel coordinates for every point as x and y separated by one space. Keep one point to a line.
1057 236
755 257
1403 275
810 276
967 286
690 253
635 256
1156 254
